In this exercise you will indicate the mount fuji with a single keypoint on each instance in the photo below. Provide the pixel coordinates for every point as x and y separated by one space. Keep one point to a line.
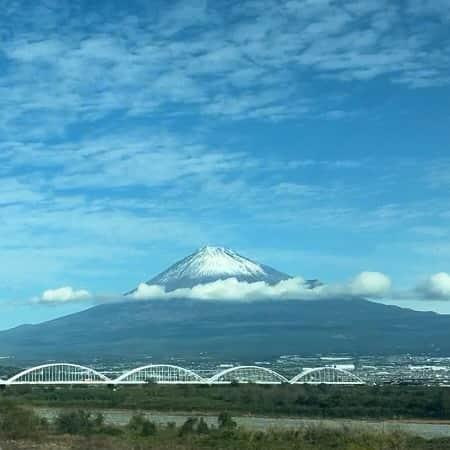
210 264
191 328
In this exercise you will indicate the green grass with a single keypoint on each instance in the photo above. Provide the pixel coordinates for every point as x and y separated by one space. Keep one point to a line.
388 402
20 428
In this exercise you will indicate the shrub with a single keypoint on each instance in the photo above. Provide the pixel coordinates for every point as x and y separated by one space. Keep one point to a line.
76 422
226 421
188 426
140 426
171 425
202 426
20 423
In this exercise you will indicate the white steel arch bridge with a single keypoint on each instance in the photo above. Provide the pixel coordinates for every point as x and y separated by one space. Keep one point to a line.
59 373
74 374
160 373
248 374
326 375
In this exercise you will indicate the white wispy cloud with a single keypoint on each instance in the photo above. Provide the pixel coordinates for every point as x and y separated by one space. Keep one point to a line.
124 196
249 63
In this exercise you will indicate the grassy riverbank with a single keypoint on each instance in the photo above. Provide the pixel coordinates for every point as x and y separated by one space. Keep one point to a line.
360 402
20 428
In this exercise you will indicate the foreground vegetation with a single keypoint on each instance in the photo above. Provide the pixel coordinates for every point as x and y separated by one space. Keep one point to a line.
20 428
379 402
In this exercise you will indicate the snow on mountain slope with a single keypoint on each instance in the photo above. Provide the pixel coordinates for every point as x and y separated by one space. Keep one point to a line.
215 263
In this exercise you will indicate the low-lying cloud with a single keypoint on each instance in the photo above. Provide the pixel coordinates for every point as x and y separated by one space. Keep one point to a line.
229 289
367 284
64 295
370 285
436 287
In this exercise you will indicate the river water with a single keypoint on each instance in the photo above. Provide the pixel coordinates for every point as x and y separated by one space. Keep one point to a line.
121 417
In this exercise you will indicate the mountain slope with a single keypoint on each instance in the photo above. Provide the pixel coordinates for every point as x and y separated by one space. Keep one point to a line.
230 330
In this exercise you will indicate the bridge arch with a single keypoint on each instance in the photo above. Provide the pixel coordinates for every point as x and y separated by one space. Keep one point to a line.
326 375
248 374
59 373
160 373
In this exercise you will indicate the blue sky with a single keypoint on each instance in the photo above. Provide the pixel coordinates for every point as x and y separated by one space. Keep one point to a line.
311 135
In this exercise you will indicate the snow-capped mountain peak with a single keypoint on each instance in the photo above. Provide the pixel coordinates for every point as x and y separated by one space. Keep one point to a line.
216 261
210 264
